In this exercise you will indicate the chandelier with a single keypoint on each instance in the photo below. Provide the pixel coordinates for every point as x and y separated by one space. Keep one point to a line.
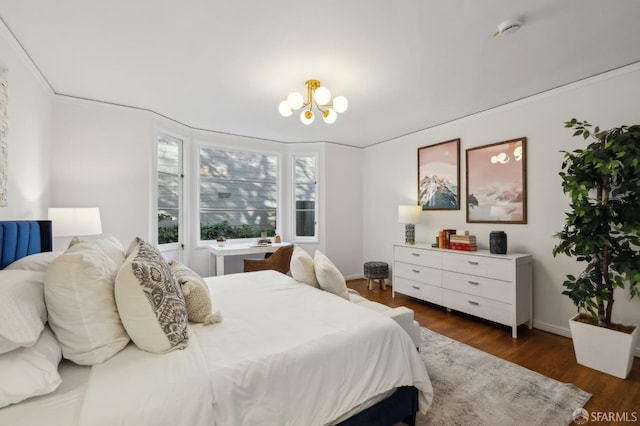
317 96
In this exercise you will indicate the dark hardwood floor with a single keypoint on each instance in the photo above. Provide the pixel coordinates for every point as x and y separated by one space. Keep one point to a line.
543 352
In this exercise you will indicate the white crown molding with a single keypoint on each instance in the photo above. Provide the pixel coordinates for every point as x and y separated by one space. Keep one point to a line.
24 56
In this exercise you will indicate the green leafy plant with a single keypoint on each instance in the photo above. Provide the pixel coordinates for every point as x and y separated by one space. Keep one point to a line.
211 232
601 229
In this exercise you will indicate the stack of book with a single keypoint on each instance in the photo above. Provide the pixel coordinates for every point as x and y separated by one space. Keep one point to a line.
463 242
444 237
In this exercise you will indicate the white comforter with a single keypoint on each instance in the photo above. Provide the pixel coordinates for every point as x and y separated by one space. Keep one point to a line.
285 354
289 354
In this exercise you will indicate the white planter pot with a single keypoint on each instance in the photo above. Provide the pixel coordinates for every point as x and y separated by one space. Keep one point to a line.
603 349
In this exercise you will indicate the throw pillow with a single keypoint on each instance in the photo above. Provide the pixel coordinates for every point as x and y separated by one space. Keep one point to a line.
196 294
329 277
151 305
23 312
31 371
79 291
302 268
35 262
106 243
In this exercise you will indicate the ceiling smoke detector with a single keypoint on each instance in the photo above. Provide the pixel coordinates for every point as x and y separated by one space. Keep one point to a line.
508 27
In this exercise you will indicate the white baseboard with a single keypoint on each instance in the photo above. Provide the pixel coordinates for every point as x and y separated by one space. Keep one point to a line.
353 277
565 332
561 331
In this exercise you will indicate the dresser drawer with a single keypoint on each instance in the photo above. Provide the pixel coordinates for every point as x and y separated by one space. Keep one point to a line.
492 310
482 266
488 288
417 256
418 273
418 290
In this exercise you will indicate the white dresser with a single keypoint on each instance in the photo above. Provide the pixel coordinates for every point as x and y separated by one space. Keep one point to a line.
497 287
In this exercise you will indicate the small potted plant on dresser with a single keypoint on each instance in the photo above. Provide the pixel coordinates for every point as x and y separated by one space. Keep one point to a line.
602 230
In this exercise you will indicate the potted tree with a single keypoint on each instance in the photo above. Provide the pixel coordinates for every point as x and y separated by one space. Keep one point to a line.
601 229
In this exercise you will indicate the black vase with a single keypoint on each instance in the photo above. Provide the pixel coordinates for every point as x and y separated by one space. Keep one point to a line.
498 242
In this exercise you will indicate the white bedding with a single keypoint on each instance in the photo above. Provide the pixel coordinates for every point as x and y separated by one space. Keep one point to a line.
285 354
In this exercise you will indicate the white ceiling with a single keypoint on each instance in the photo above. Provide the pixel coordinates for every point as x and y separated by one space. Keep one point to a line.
404 65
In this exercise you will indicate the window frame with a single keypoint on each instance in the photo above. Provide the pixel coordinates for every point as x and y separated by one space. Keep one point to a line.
300 238
179 245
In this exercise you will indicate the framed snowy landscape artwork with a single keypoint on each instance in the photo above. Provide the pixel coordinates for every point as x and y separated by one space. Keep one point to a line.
439 176
497 182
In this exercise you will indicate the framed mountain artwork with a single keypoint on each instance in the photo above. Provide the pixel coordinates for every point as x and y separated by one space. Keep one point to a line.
497 182
439 176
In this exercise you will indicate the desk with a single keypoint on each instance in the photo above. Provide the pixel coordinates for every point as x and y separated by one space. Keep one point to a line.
231 249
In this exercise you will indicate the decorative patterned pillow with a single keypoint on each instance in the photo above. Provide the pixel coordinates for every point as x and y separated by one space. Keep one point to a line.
82 308
31 371
302 268
329 277
196 294
23 312
150 303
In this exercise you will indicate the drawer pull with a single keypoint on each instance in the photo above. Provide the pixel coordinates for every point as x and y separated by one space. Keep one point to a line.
415 254
417 271
471 262
415 287
474 303
473 282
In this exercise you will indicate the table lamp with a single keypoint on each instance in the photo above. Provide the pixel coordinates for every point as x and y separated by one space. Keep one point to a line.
71 222
409 215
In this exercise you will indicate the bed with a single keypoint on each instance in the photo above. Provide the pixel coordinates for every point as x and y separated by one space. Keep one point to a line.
285 354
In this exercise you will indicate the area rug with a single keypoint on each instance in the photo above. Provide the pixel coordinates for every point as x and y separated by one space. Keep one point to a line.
472 387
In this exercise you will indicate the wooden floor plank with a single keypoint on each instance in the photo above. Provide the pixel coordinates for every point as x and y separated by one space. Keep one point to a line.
537 350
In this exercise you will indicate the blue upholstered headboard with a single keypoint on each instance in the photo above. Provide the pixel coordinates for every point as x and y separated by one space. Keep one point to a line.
20 238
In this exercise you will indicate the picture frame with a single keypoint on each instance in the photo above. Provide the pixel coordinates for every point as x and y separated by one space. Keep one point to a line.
496 182
439 176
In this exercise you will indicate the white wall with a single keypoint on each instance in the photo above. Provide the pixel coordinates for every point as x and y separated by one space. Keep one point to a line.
343 208
29 135
102 158
390 179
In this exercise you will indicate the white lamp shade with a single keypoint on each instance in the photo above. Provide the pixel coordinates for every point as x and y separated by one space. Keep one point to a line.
330 117
285 109
322 95
409 214
68 222
340 104
295 100
306 116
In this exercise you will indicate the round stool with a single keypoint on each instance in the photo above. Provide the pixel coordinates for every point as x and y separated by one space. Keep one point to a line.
376 271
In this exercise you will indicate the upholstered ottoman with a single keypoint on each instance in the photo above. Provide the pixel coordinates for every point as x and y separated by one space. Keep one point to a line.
401 314
376 271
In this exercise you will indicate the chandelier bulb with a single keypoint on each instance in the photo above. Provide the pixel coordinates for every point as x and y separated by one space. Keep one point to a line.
322 95
340 104
285 109
307 116
295 100
329 116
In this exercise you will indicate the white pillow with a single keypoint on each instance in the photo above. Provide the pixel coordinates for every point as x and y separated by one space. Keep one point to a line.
196 294
35 262
329 277
31 371
150 302
302 268
79 291
106 243
22 309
